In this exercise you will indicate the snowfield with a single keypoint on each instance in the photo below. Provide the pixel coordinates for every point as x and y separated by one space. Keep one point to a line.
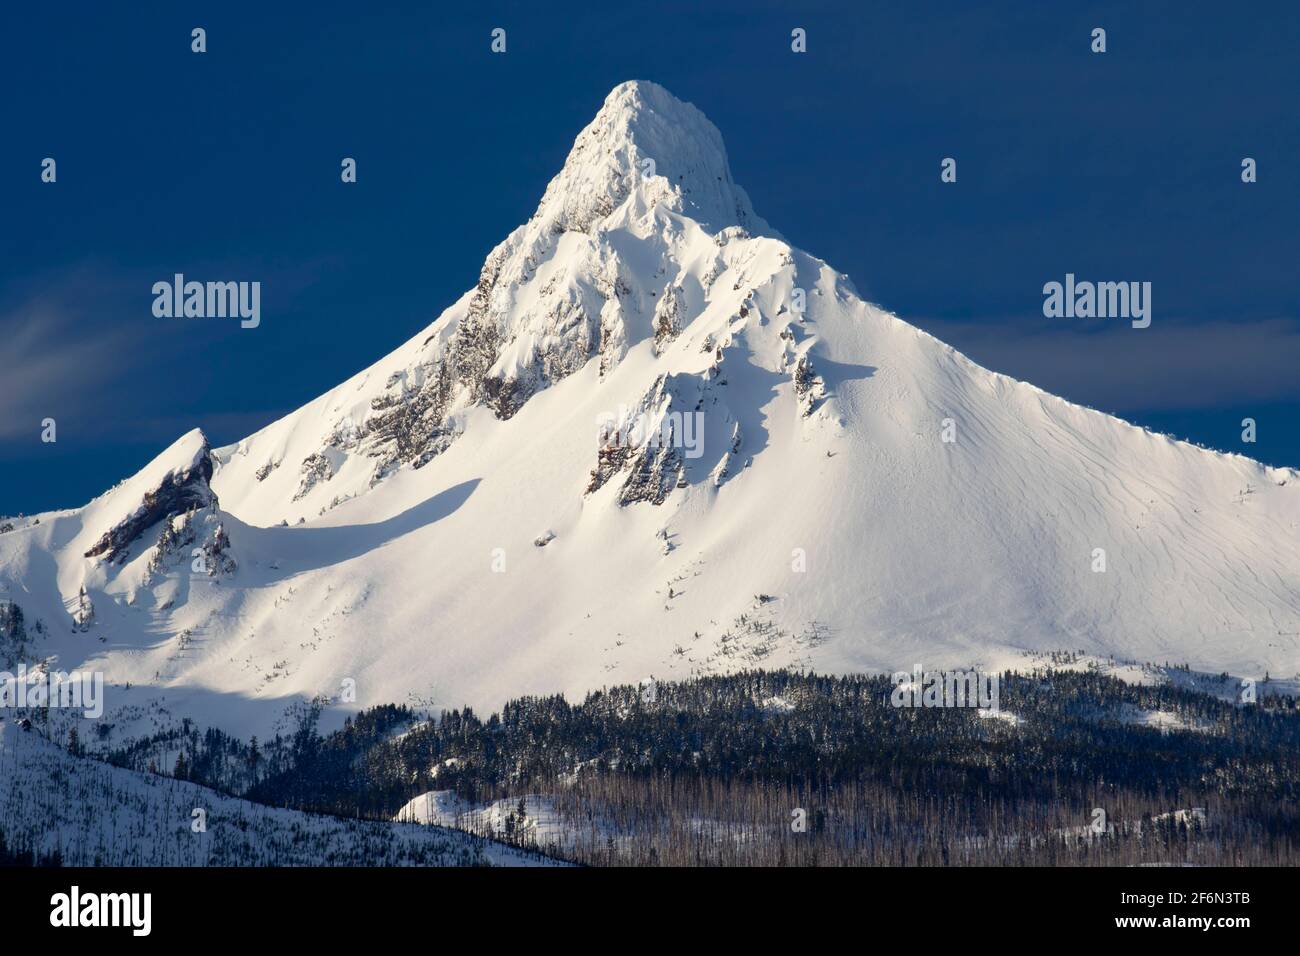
541 825
446 528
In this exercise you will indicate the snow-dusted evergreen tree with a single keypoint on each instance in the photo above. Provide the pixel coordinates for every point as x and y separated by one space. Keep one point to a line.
84 614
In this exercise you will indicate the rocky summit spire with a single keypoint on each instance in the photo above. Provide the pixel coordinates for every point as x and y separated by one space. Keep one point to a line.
642 132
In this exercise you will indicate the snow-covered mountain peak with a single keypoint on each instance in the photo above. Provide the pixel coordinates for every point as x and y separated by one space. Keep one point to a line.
624 250
184 454
645 138
804 480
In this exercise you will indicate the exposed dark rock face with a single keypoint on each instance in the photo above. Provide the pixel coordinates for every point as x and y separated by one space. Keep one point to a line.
610 459
644 447
315 469
654 472
504 396
537 316
410 425
477 340
668 317
808 386
180 491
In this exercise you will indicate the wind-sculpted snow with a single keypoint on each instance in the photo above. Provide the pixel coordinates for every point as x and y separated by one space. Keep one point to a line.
894 503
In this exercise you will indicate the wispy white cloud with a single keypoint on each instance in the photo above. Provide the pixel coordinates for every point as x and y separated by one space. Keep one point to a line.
51 365
65 354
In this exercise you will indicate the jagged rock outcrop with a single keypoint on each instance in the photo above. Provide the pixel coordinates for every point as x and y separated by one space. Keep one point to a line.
649 443
182 489
809 389
557 292
668 318
315 469
654 471
199 537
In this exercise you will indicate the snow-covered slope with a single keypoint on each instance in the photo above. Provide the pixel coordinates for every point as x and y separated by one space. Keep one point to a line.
541 825
93 814
449 527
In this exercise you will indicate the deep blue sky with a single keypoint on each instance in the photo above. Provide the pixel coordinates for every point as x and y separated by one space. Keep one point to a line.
226 165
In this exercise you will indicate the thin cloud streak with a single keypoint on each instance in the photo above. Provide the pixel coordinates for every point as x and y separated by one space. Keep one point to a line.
52 368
